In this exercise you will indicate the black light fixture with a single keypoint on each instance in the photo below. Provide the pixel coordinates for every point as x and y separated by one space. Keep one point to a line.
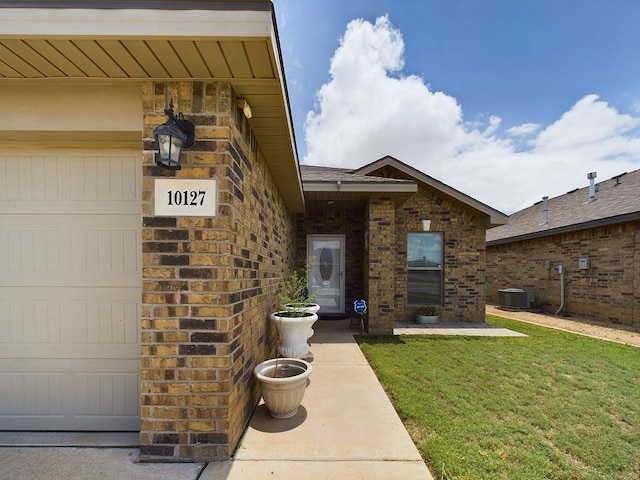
172 136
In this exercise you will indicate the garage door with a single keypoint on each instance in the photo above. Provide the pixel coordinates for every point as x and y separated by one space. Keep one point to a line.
70 288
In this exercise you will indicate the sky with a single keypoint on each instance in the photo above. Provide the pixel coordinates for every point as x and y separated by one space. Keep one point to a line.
506 101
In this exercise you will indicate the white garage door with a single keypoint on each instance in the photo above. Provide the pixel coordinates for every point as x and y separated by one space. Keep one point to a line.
70 287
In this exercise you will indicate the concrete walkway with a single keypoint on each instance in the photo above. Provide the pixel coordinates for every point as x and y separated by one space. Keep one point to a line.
346 427
469 329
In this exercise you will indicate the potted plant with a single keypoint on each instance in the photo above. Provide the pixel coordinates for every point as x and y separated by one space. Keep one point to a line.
294 295
427 314
296 318
283 382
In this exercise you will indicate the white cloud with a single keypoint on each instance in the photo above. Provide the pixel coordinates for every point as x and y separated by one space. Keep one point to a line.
368 109
524 129
364 113
590 120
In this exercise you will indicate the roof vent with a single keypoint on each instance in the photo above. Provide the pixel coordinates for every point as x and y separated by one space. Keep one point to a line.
592 186
545 210
617 178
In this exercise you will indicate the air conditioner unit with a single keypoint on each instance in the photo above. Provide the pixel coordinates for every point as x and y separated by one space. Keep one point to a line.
515 298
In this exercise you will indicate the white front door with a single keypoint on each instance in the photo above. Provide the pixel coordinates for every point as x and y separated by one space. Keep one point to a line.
325 258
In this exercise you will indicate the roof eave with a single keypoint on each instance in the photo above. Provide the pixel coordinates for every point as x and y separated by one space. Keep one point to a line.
97 22
496 218
603 222
166 22
365 187
147 4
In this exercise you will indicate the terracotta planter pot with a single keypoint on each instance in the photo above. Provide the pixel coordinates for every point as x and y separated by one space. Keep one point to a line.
283 391
294 332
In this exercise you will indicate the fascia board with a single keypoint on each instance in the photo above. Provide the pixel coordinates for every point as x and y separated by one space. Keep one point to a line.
360 187
132 23
495 217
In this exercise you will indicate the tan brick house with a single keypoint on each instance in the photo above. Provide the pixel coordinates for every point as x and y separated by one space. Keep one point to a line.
409 239
592 234
124 303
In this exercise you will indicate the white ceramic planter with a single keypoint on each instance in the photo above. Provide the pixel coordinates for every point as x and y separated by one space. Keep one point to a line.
308 307
283 394
294 333
427 319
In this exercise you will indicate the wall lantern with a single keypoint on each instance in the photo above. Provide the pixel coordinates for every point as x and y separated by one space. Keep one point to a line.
172 136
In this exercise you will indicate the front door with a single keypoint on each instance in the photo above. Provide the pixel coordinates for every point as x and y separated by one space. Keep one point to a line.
325 258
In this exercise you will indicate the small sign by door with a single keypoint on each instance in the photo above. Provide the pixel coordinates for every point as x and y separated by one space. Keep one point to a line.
360 306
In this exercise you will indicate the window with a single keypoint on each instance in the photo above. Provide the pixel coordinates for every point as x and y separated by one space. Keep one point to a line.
424 268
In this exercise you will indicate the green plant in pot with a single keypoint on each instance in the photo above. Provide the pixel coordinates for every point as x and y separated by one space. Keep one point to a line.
283 381
294 295
297 315
427 314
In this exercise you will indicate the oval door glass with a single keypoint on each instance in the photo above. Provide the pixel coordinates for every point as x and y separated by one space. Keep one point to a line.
326 264
325 258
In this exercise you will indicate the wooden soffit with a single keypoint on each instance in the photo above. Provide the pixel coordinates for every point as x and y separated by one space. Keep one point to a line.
201 40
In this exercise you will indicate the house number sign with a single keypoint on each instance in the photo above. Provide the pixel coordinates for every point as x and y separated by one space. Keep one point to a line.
185 198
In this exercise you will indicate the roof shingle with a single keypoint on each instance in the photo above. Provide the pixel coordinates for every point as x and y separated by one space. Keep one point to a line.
316 174
616 197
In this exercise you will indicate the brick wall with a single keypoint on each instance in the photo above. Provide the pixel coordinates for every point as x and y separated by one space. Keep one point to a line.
208 283
464 255
382 270
608 290
379 270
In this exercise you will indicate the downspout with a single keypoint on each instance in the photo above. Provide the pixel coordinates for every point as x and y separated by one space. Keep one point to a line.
561 272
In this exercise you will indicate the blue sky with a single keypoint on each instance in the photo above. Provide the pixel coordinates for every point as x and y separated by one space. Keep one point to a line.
504 100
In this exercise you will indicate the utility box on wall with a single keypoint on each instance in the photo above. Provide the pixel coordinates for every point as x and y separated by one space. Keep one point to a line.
583 263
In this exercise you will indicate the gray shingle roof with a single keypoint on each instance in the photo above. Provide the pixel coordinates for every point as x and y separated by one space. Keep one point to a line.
364 179
315 174
618 200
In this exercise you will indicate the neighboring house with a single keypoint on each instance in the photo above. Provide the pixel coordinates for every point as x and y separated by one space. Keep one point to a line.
123 306
592 234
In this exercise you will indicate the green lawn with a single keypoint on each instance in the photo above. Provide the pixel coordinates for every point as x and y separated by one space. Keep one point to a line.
553 405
